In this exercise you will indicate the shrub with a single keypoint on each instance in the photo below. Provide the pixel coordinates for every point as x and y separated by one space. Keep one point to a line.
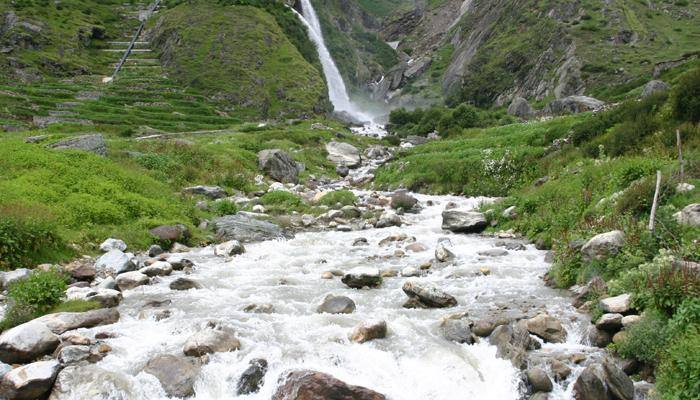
26 240
34 296
677 375
687 318
344 197
281 198
224 207
647 339
685 98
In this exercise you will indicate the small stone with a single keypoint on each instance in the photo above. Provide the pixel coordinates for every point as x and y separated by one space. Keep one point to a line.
112 244
369 330
252 378
360 277
327 275
131 280
184 284
539 380
230 248
337 305
155 251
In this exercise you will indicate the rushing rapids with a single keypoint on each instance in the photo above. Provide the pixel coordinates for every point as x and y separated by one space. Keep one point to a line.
414 361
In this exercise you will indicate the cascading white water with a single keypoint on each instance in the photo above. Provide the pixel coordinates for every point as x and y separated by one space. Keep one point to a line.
337 91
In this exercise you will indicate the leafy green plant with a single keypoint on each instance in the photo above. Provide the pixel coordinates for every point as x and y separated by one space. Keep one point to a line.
344 197
33 296
685 99
224 207
677 375
647 339
26 238
281 198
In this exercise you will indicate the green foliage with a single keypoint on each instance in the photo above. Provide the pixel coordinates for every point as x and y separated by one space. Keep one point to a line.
685 100
444 121
647 339
26 237
343 197
281 198
686 320
76 306
33 297
677 375
224 207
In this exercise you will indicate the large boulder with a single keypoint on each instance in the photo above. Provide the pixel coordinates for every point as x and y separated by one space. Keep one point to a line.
538 380
115 261
212 339
573 105
617 304
62 322
336 305
312 385
460 221
211 192
360 277
611 322
171 233
512 342
228 249
252 378
26 342
690 215
177 374
131 280
344 154
654 86
31 381
457 330
111 244
546 327
603 381
368 330
90 143
602 246
246 229
158 268
424 295
279 165
520 108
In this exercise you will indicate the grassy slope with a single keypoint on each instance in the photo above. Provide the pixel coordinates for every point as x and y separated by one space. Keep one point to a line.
239 53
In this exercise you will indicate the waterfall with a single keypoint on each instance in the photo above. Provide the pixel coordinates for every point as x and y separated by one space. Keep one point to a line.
337 92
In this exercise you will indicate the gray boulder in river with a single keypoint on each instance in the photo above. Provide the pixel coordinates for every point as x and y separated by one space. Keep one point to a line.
312 385
246 229
176 374
31 381
26 342
459 221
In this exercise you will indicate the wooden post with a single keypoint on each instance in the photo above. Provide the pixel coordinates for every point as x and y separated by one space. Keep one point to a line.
655 205
680 155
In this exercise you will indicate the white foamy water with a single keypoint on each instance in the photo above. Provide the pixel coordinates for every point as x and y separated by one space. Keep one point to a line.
413 362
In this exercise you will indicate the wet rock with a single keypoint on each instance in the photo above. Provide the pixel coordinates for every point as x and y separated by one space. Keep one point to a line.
158 268
212 339
74 338
246 229
416 247
360 277
259 308
155 251
599 338
113 244
31 381
458 221
493 253
653 87
73 354
327 275
457 330
483 328
90 143
171 233
230 248
602 246
618 304
603 381
369 330
184 284
312 385
180 264
401 199
7 278
26 342
106 297
424 295
252 378
546 327
279 165
512 342
115 261
560 370
343 154
539 396
211 192
62 322
442 253
388 219
131 280
410 272
176 374
609 322
336 305
538 380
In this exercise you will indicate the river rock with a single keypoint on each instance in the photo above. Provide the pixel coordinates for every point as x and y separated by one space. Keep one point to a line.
279 165
360 277
312 385
611 322
602 246
343 154
336 305
654 86
180 264
212 339
81 270
155 250
520 108
184 284
211 192
493 253
171 233
62 322
619 304
457 330
360 242
158 268
26 342
230 248
131 280
252 378
630 320
31 381
459 221
388 219
90 143
424 295
115 261
369 330
546 327
512 342
560 370
401 199
246 229
690 215
73 354
603 381
7 278
442 253
538 380
598 337
342 171
176 374
113 244
416 247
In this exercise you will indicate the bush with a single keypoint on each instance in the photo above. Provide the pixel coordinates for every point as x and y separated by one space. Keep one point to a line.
26 240
281 198
344 197
33 297
679 372
647 339
685 98
224 207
